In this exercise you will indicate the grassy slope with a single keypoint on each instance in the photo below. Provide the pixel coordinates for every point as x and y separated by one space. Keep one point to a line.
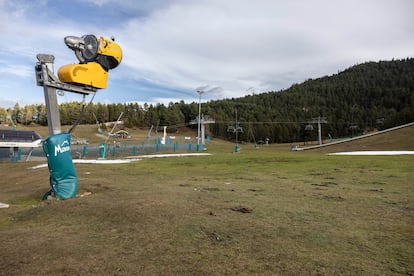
395 140
310 214
90 133
400 139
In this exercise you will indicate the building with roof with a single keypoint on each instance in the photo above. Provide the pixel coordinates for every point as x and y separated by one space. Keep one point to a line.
12 140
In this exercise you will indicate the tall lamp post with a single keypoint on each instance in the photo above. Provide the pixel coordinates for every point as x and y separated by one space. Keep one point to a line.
200 92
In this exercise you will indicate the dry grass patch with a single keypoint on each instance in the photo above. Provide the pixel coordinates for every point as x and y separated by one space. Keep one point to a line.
263 211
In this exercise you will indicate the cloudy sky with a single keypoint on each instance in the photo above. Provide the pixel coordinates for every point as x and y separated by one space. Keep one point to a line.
229 48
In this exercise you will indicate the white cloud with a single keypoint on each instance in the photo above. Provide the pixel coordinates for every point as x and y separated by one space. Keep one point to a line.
17 70
237 44
179 45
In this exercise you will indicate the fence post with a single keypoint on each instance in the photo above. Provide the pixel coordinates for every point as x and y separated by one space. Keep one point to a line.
85 151
102 151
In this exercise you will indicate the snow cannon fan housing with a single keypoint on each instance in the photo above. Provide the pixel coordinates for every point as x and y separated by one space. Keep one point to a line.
96 57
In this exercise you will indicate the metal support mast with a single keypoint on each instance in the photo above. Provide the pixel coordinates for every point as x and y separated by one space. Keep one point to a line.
52 107
200 92
319 120
45 77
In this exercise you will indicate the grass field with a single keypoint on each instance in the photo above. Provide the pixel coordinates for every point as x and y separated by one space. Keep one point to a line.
264 211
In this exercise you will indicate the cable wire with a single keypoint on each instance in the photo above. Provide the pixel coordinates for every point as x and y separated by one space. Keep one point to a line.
84 107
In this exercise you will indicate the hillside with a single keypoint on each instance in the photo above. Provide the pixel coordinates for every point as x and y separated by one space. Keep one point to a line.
363 98
396 140
373 95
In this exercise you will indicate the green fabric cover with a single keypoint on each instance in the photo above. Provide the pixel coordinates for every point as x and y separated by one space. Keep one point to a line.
63 178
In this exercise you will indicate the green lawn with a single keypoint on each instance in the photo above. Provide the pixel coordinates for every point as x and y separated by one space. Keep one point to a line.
265 211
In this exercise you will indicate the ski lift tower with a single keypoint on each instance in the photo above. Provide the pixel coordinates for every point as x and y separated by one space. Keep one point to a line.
205 120
199 92
319 120
235 129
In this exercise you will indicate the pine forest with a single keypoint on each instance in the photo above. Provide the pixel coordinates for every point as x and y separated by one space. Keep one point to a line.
365 97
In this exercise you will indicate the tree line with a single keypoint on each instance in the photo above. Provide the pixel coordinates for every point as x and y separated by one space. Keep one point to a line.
364 97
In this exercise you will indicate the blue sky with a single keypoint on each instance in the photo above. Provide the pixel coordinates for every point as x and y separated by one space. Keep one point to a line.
230 48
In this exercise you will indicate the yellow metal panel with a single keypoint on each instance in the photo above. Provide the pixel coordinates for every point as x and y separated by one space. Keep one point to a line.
91 74
110 48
